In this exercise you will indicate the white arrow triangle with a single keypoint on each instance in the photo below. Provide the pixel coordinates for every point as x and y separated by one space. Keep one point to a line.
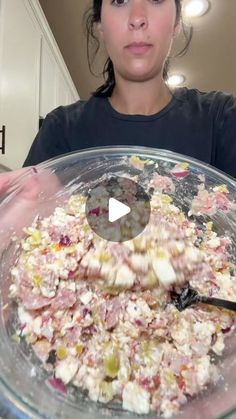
117 210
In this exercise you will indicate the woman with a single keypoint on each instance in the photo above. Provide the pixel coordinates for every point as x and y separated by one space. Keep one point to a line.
134 106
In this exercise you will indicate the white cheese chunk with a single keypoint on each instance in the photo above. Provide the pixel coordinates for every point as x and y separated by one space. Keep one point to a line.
214 242
136 399
86 297
203 370
66 369
36 326
164 271
139 262
124 277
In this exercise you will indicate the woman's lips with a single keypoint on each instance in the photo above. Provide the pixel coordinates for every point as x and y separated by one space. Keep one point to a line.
138 48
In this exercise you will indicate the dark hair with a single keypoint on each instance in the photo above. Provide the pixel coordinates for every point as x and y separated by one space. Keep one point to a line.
93 16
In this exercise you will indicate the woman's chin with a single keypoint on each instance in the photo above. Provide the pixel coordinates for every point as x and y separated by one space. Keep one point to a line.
139 71
140 75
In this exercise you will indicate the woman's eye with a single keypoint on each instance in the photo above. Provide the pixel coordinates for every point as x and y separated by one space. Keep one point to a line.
122 2
119 2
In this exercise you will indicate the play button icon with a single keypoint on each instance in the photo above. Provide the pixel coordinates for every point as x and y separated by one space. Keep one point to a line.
117 209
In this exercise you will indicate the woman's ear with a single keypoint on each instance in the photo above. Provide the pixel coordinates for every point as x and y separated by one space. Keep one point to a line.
100 30
177 29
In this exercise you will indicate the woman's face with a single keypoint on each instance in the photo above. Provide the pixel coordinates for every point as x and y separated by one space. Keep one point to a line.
138 35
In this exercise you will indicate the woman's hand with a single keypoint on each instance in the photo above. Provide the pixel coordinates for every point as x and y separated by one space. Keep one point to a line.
27 183
25 193
8 179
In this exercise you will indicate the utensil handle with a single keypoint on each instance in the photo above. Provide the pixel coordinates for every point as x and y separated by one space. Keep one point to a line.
230 305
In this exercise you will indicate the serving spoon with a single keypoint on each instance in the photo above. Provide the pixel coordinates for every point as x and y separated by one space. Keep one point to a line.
190 296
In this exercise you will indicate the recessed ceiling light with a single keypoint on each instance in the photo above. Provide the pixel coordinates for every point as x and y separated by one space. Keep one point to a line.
175 80
195 8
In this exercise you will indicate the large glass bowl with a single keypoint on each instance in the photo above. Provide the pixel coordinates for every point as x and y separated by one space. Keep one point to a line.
23 388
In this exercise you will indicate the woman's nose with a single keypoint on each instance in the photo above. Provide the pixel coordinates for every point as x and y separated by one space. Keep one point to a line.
138 17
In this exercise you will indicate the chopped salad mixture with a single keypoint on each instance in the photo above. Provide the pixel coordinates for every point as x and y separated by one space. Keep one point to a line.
100 314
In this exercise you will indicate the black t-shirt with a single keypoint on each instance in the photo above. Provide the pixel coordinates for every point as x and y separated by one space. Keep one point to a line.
197 124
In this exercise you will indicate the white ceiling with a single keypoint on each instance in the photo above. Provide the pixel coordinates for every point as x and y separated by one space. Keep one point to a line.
210 63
